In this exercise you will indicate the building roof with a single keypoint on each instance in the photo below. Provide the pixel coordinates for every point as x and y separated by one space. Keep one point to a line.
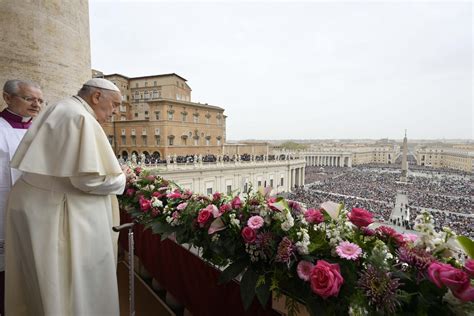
144 77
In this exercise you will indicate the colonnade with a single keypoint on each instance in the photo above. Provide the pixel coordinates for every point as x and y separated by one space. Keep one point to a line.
328 160
296 177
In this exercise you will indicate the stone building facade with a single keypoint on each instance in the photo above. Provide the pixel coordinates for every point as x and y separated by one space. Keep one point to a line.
158 119
456 157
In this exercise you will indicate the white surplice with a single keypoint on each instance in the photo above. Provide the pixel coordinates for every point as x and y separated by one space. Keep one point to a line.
60 248
9 139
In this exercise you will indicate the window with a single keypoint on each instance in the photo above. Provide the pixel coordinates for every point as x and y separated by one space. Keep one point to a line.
170 115
183 117
134 140
218 142
196 141
123 118
281 181
136 114
208 142
157 115
146 114
209 191
124 140
111 139
157 139
218 121
229 189
246 187
271 183
185 140
156 94
144 140
207 120
196 119
170 141
154 83
259 184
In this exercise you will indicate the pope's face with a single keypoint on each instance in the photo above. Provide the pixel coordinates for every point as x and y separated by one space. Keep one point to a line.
107 103
27 101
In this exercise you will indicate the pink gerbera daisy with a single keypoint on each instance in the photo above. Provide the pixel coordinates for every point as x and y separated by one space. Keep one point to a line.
348 250
304 269
255 222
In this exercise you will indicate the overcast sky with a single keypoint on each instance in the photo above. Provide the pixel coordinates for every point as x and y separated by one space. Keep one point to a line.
306 70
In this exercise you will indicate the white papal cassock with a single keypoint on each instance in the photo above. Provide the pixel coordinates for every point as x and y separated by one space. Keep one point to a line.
60 256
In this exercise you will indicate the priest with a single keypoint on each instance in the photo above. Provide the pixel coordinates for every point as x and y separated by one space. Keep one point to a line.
24 100
60 248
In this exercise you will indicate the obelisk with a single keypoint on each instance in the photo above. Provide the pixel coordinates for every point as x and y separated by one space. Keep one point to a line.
403 177
47 42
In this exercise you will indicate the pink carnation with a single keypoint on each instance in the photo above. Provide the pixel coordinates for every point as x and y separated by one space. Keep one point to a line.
304 269
255 222
129 192
174 195
348 250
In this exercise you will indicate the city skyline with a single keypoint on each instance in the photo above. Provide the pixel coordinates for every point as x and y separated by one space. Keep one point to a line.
310 70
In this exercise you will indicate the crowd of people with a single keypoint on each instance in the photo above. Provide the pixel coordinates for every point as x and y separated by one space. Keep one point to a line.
448 196
209 158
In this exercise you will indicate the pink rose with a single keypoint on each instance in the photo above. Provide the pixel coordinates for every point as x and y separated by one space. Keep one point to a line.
434 271
255 222
236 203
204 216
326 279
313 216
248 234
469 267
138 170
181 206
455 279
129 192
145 204
304 269
360 217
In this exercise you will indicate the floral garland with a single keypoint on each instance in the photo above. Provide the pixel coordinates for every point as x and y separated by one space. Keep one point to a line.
329 258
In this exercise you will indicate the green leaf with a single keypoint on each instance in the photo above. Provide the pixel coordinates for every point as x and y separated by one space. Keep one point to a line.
263 292
247 287
232 271
467 244
160 228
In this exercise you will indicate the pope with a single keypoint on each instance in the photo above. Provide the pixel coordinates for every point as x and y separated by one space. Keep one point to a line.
60 247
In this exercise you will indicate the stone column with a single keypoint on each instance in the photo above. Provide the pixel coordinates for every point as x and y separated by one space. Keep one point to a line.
47 42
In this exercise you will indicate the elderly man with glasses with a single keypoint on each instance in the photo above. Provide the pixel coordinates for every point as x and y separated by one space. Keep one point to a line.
24 100
60 249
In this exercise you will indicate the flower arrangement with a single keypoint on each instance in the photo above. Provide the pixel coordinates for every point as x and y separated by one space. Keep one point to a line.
331 259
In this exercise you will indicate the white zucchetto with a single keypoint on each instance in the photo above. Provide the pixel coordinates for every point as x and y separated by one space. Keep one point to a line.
102 84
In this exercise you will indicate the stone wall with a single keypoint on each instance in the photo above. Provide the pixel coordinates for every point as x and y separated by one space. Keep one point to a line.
46 41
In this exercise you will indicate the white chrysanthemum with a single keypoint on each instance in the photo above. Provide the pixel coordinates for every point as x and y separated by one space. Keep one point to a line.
155 202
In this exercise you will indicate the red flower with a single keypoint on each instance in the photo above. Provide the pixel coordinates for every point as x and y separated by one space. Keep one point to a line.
204 216
174 195
389 232
130 192
326 279
313 216
216 196
145 204
248 234
225 208
236 203
157 194
360 217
